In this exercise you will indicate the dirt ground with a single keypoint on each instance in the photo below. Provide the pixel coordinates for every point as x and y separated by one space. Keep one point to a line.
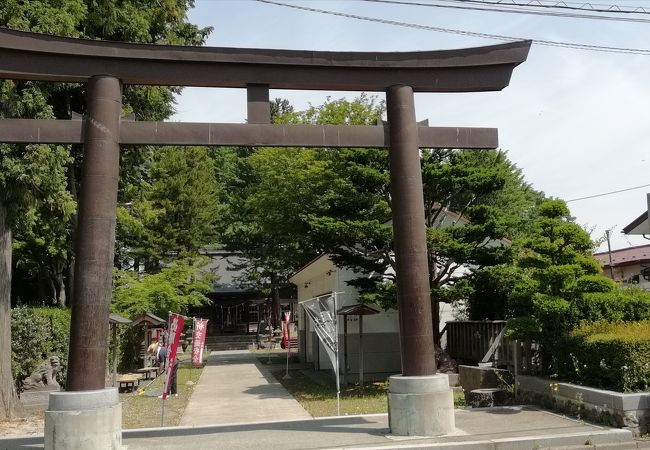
31 423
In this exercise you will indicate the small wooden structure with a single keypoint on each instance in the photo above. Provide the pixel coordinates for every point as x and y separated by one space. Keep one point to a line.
360 310
148 321
114 320
129 382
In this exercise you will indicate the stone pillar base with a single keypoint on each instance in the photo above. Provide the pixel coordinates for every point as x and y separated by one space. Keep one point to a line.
420 405
81 420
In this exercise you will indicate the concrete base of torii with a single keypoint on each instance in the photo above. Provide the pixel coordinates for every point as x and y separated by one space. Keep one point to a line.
81 420
420 405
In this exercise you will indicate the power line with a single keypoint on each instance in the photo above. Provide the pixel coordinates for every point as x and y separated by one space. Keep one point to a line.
579 6
597 48
607 193
512 10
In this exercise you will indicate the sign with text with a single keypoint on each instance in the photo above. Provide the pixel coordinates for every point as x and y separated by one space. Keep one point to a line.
198 341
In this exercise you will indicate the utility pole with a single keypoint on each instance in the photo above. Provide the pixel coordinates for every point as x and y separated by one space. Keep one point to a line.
609 254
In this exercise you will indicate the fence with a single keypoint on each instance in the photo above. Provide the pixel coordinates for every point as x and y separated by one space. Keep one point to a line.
484 341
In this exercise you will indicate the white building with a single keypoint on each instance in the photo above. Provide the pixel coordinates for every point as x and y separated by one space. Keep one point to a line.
381 345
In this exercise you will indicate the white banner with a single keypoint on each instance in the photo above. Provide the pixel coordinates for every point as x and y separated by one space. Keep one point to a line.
322 313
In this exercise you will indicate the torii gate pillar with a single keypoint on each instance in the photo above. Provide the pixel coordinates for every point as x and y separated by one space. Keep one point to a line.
420 402
87 415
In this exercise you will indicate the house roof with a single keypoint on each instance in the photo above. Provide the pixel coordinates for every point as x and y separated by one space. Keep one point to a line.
358 309
638 225
148 318
625 256
228 268
319 263
116 318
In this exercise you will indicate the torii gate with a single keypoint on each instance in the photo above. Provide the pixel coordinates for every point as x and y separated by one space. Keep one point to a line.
106 66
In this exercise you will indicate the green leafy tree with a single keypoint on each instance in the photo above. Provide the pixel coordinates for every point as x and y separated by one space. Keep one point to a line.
554 269
31 175
174 288
174 211
473 202
268 225
32 178
129 20
348 215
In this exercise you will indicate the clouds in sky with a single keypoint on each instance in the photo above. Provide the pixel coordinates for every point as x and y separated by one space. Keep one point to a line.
577 122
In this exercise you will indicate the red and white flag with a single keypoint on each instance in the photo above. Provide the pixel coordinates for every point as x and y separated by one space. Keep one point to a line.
175 329
286 335
198 341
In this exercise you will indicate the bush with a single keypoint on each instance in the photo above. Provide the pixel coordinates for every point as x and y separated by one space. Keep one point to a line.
606 355
595 283
629 305
36 334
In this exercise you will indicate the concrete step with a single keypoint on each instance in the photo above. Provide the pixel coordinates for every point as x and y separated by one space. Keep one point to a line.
230 342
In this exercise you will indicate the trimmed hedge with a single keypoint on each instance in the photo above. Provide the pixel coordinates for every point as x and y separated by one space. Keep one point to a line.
604 355
622 305
37 334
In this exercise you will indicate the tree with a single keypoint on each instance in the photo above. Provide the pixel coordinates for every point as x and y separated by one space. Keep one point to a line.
30 176
176 287
173 212
474 201
554 268
129 20
268 223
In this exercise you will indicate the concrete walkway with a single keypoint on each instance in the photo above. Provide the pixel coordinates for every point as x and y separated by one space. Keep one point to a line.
235 388
507 428
238 405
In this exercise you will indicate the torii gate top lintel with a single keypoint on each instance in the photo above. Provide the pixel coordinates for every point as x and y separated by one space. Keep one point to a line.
33 56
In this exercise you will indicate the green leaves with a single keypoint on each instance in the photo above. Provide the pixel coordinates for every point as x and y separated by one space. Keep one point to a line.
174 210
176 287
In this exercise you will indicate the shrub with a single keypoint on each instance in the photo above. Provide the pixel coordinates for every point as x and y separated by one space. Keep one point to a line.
629 305
36 334
607 355
595 283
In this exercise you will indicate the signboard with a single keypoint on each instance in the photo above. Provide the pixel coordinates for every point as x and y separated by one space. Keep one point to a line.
198 341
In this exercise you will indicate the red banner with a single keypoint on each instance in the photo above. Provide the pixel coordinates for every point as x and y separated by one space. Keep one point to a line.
198 341
175 330
286 335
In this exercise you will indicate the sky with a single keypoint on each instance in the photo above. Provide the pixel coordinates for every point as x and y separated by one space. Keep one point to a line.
576 122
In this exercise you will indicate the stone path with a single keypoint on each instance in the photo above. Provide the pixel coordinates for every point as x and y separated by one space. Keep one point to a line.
235 388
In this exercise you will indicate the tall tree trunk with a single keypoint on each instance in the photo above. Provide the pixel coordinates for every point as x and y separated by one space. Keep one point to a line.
435 304
60 286
9 405
435 319
275 302
72 188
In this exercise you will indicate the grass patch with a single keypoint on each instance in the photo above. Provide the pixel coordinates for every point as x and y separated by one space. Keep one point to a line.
459 399
320 401
275 356
143 411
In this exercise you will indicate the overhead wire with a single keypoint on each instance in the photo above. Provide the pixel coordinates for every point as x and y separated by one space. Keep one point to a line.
607 193
513 10
561 4
573 45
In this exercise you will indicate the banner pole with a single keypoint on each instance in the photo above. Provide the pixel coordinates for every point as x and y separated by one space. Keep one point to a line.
287 343
336 337
162 409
